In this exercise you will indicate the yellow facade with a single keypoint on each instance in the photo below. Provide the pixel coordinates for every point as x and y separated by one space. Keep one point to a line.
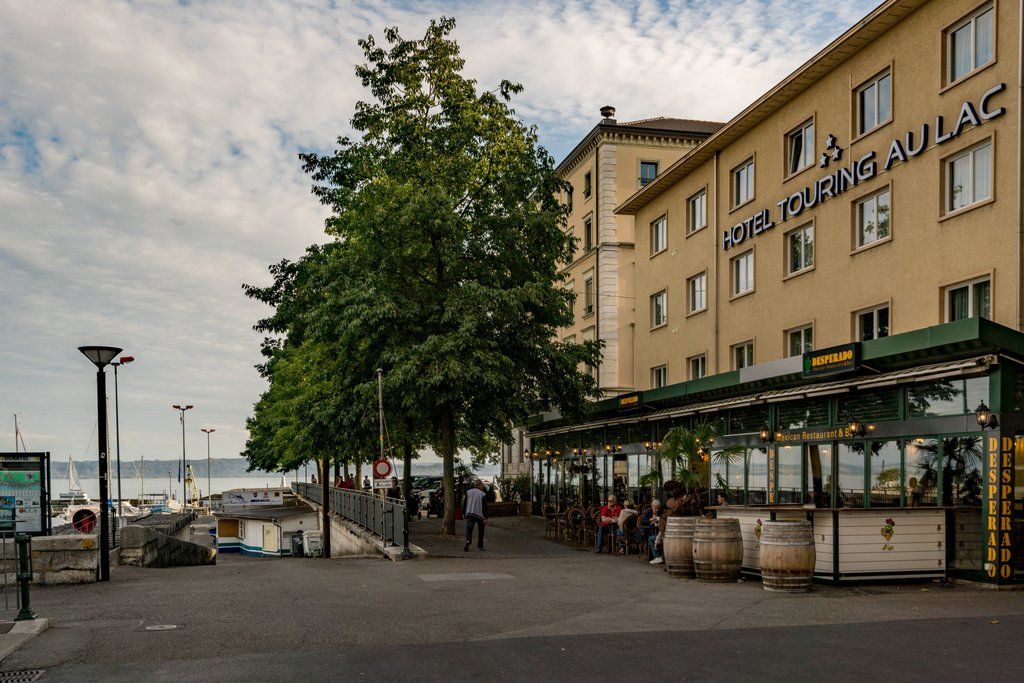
611 156
930 248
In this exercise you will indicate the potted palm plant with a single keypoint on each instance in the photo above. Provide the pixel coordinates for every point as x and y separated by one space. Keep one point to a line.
690 450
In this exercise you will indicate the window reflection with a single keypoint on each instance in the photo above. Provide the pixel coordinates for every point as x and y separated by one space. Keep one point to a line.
921 458
961 471
851 475
885 474
818 474
757 476
789 474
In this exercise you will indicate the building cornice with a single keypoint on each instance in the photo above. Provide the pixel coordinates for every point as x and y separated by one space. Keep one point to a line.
637 135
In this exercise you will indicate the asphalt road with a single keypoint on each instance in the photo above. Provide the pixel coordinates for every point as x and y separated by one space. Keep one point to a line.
525 608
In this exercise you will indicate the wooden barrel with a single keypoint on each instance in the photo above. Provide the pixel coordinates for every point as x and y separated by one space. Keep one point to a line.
717 549
678 545
787 556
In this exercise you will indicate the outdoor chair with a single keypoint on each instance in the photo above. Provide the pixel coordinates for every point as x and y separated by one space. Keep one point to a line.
627 540
552 526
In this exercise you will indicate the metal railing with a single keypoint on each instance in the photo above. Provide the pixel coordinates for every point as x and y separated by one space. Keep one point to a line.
382 517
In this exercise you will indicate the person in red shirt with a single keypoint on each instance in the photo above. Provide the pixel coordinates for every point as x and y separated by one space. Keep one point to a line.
609 515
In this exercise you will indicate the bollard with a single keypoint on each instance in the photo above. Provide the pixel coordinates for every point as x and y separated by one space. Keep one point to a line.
406 553
24 543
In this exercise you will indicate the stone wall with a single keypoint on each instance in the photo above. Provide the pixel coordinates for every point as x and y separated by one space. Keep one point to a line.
72 558
145 547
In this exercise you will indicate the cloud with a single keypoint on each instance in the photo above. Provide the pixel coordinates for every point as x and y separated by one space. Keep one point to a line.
148 165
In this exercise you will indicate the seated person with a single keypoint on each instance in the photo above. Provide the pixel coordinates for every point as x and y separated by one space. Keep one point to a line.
609 515
628 510
650 525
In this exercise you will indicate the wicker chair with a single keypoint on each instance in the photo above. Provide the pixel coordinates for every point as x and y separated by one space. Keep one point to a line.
628 539
552 523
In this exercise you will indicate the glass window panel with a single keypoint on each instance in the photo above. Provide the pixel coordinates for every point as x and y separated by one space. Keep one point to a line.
719 476
808 236
735 479
882 215
960 52
871 406
962 471
757 476
984 38
958 302
867 326
851 475
789 489
920 468
806 413
818 474
959 182
885 480
983 299
747 420
945 397
884 98
882 322
867 98
982 173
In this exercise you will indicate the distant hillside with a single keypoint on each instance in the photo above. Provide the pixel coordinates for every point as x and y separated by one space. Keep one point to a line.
219 467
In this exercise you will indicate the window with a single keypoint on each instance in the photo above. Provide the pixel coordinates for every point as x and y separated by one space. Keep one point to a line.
698 366
588 292
874 103
570 288
569 199
571 339
818 479
800 249
659 377
873 323
800 148
970 44
969 300
659 313
800 341
659 236
743 273
648 171
850 492
743 183
588 184
588 234
969 177
885 474
789 488
872 217
743 355
697 211
697 287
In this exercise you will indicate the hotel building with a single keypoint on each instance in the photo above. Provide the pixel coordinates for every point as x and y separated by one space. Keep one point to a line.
834 278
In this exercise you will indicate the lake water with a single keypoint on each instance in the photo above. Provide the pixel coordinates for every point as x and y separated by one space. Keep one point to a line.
130 487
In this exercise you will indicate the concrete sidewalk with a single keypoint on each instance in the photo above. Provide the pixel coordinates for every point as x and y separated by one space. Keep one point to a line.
504 537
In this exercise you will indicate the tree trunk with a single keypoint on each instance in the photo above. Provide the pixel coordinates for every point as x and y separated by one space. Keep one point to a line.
337 469
448 458
406 470
325 514
346 468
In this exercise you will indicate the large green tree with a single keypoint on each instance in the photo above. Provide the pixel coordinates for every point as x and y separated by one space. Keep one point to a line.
453 235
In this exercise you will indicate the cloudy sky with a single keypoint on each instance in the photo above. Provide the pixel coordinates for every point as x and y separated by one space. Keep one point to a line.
148 166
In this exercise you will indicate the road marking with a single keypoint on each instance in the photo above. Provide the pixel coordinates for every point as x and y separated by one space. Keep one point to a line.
161 627
465 576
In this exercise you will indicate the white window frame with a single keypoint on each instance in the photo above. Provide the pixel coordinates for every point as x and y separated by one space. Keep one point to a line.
858 216
743 177
859 93
970 285
805 133
802 231
662 371
588 184
659 235
803 331
734 279
747 347
972 168
701 359
588 233
873 310
972 21
702 277
697 211
655 323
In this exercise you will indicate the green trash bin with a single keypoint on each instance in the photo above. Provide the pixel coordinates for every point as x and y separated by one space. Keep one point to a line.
297 549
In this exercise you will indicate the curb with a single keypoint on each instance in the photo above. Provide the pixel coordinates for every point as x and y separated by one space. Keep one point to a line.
21 633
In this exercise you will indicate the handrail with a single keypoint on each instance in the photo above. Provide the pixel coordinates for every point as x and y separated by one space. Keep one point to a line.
383 517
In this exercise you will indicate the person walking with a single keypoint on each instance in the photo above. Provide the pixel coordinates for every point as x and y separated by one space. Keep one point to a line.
366 484
475 515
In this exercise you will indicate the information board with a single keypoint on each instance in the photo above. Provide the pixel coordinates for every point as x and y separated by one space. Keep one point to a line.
23 492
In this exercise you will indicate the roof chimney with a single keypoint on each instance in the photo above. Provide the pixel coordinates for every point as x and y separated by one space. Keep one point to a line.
608 114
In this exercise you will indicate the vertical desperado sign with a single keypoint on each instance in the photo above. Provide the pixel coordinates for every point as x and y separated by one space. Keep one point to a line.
911 145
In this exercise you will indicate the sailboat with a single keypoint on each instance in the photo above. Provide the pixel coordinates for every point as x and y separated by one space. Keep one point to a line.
75 494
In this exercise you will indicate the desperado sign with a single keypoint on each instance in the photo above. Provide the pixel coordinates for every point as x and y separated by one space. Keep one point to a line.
862 169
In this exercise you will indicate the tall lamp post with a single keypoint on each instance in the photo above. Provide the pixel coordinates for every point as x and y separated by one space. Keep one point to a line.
184 464
209 489
101 357
117 433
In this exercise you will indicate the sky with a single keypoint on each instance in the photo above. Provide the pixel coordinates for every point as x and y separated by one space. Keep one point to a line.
148 167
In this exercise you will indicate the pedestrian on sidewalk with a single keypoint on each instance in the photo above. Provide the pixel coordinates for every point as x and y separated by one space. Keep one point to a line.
609 515
475 516
367 486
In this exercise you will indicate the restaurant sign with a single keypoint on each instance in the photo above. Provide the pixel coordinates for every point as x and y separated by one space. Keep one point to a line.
864 168
831 361
630 400
825 434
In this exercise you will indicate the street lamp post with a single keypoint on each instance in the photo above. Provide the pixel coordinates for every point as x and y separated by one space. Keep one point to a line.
117 433
209 488
101 357
184 463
